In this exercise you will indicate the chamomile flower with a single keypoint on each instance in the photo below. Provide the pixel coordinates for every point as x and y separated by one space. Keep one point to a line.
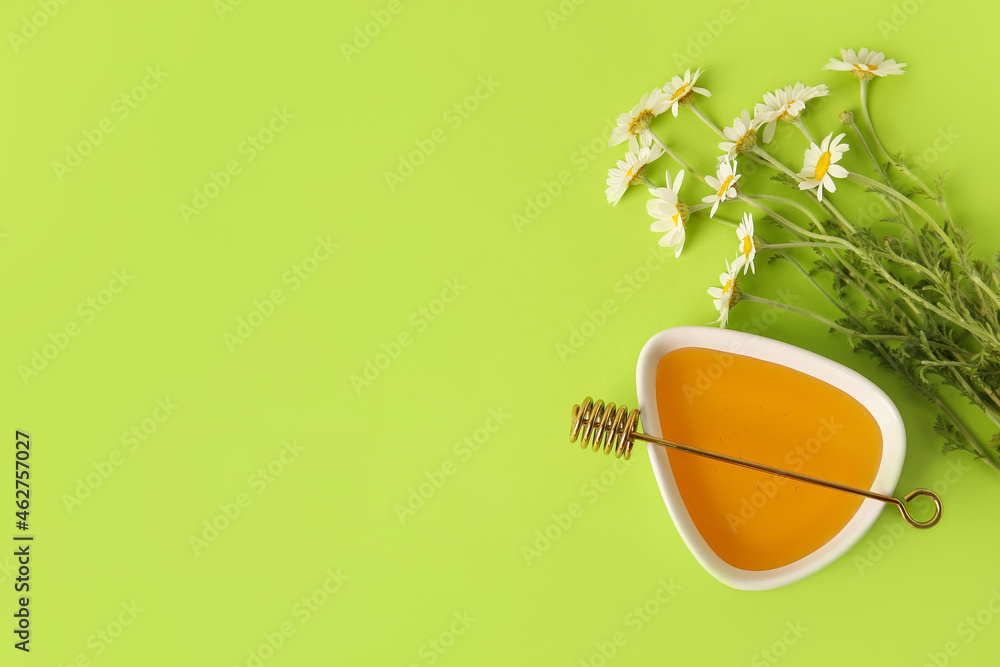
724 183
725 297
629 171
670 213
865 64
786 104
680 91
742 135
748 250
634 125
821 164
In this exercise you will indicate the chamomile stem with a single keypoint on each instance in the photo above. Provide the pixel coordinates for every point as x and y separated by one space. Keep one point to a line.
721 221
791 202
676 157
974 397
971 439
892 192
868 119
777 304
791 225
826 205
904 216
815 284
874 264
899 164
774 163
704 118
799 124
868 150
804 244
818 318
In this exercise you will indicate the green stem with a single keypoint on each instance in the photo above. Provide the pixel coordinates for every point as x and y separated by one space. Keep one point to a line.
704 118
791 225
760 152
818 318
677 158
973 396
799 124
892 192
721 221
829 297
980 450
802 244
868 118
791 202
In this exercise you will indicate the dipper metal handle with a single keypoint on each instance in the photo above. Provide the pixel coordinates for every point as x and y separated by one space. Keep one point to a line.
615 429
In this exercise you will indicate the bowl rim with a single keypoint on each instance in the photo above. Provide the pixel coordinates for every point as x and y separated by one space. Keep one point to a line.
737 342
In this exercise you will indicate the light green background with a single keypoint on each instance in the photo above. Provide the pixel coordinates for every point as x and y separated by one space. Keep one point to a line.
494 348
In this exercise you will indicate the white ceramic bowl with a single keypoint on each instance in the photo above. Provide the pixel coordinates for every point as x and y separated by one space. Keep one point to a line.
736 342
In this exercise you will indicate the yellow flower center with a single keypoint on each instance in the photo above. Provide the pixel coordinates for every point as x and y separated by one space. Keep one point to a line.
747 141
728 286
640 123
865 72
785 113
724 187
822 165
680 92
747 246
636 176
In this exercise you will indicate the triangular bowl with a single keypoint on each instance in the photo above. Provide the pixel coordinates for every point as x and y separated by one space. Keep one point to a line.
750 345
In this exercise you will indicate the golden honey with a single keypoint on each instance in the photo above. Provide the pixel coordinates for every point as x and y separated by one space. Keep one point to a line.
768 413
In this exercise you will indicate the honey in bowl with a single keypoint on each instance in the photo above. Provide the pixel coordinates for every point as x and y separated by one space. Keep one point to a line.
768 413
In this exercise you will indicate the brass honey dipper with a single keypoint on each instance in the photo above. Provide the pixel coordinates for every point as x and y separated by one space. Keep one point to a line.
615 429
